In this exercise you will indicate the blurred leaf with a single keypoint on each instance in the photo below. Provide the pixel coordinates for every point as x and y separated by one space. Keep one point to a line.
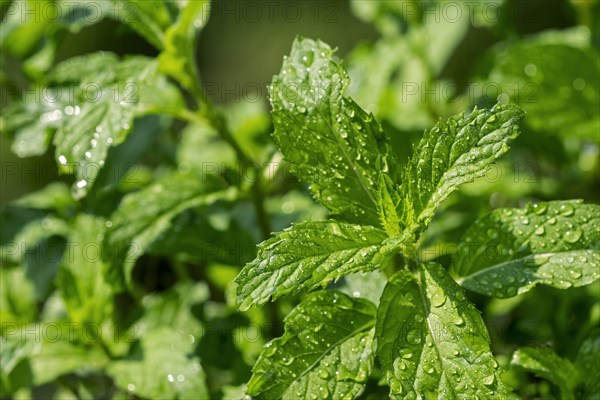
174 308
556 82
325 351
546 364
89 130
81 278
367 285
195 238
148 18
17 300
588 363
178 58
142 216
162 368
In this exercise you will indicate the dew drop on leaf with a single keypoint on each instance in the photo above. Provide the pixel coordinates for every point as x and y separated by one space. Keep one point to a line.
572 236
566 210
413 337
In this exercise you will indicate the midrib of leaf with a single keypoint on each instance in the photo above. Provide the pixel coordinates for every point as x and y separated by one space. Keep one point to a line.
332 347
431 202
352 164
192 201
516 262
324 258
430 328
327 120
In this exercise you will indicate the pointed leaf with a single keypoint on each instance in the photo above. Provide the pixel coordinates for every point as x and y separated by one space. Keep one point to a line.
452 153
148 18
511 250
546 364
308 255
142 216
331 143
109 99
432 342
163 368
388 202
588 363
81 280
325 351
178 58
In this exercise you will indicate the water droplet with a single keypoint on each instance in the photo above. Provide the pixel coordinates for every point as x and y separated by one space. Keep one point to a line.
323 392
566 209
437 297
489 380
62 159
572 236
540 208
530 70
323 374
540 231
287 360
578 84
458 321
81 184
413 337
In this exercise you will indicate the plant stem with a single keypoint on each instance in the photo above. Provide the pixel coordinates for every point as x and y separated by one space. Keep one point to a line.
207 114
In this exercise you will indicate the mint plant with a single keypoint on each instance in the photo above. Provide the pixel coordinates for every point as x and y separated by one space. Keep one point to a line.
367 236
429 339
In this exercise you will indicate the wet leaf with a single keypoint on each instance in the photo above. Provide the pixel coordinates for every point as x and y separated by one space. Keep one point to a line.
331 143
432 342
325 351
306 256
511 250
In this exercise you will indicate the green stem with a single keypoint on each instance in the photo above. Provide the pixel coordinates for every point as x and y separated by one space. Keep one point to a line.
207 114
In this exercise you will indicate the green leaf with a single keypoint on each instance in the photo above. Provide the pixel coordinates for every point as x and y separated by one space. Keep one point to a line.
17 298
110 95
588 363
330 142
546 364
306 256
511 250
163 368
193 238
554 80
367 285
52 359
178 58
325 351
174 308
452 153
388 202
142 216
81 277
431 340
32 123
148 18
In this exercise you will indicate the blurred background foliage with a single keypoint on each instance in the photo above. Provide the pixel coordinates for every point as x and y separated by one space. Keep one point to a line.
409 68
